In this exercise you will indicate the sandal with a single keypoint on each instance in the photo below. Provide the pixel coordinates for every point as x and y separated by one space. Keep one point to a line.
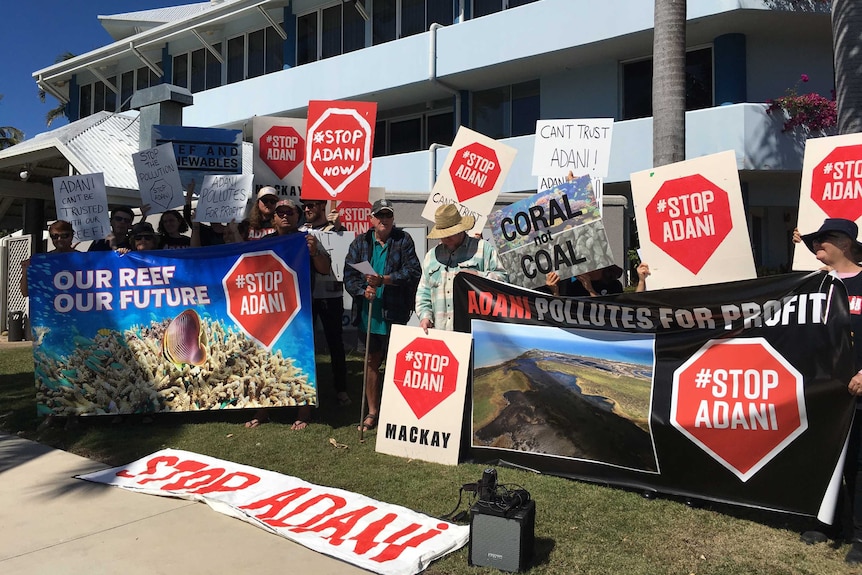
261 416
370 422
299 425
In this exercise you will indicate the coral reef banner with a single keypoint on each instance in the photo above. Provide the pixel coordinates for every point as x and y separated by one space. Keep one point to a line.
377 536
220 327
716 392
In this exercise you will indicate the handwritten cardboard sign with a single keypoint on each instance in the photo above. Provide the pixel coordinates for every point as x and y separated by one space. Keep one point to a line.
82 201
224 199
159 178
576 146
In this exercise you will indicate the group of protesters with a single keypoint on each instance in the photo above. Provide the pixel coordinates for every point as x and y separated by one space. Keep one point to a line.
400 285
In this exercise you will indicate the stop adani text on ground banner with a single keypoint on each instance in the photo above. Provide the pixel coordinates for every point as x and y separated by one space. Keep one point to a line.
831 188
338 149
220 327
426 382
558 230
691 222
279 153
697 392
472 177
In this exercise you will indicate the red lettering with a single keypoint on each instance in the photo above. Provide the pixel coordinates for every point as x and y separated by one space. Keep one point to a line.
342 524
365 540
391 552
500 306
337 503
202 477
277 502
221 484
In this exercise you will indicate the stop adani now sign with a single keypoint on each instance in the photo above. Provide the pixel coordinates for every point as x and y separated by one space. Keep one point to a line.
831 188
338 150
692 223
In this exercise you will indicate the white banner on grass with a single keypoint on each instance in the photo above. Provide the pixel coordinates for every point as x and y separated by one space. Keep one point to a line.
370 534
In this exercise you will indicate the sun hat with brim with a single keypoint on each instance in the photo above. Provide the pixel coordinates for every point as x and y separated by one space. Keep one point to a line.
448 222
833 225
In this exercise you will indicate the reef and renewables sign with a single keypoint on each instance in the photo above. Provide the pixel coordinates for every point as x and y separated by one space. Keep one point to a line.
222 327
716 392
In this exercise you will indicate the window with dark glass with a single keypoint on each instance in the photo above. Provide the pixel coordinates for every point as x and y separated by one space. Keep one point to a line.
439 12
441 129
199 62
127 88
405 135
111 96
354 30
256 53
383 21
213 68
236 59
485 7
637 84
86 103
330 36
146 77
274 51
306 38
507 111
413 17
181 70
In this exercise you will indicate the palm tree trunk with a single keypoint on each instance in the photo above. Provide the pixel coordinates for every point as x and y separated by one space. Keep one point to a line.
668 82
846 40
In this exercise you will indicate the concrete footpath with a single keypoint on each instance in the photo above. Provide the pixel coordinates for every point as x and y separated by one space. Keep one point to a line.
52 523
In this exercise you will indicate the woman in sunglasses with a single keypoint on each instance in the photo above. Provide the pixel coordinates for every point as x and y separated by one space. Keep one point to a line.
260 220
286 221
61 234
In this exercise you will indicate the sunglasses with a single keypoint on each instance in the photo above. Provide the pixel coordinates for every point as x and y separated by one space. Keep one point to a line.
269 200
122 219
63 236
384 215
145 237
312 205
285 213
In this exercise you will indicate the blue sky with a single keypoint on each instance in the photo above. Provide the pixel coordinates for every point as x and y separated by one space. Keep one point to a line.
41 30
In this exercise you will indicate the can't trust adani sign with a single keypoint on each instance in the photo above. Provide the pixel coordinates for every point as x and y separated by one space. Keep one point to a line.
740 401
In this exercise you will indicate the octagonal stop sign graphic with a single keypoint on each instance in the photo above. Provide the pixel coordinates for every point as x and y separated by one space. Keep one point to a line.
475 170
426 373
282 149
262 295
836 184
688 218
338 149
740 401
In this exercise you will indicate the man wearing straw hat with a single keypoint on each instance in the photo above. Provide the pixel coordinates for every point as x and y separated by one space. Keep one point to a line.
457 252
387 294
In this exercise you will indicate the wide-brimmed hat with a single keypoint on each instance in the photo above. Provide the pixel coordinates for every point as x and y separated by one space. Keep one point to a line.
382 206
839 225
448 221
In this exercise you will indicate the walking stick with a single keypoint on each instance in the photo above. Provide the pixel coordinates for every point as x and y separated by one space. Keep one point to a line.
365 374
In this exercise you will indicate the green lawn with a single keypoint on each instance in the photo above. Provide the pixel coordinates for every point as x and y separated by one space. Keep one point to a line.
580 527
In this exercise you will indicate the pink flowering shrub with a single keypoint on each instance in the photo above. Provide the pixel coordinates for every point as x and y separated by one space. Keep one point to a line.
811 111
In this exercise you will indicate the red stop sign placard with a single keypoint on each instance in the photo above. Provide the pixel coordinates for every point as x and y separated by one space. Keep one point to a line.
740 401
836 184
474 170
354 216
688 218
338 150
282 149
426 373
262 295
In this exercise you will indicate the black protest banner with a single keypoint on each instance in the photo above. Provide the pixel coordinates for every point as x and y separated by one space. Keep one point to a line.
718 392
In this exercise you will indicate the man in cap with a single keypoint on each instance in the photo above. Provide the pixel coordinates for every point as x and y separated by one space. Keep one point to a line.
391 289
457 252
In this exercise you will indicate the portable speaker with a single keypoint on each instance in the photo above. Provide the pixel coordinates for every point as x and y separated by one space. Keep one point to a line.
503 540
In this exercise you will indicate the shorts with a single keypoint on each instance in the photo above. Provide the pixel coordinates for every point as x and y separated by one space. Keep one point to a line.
378 343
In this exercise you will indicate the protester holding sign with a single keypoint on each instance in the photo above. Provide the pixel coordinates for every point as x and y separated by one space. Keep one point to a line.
286 222
172 226
327 299
61 234
835 245
643 273
604 281
457 252
389 293
121 221
260 221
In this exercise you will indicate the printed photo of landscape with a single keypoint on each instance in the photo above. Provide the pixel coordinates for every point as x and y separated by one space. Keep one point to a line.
582 394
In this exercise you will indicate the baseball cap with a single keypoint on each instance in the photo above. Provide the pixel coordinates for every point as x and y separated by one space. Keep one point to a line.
143 228
286 202
266 191
382 205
